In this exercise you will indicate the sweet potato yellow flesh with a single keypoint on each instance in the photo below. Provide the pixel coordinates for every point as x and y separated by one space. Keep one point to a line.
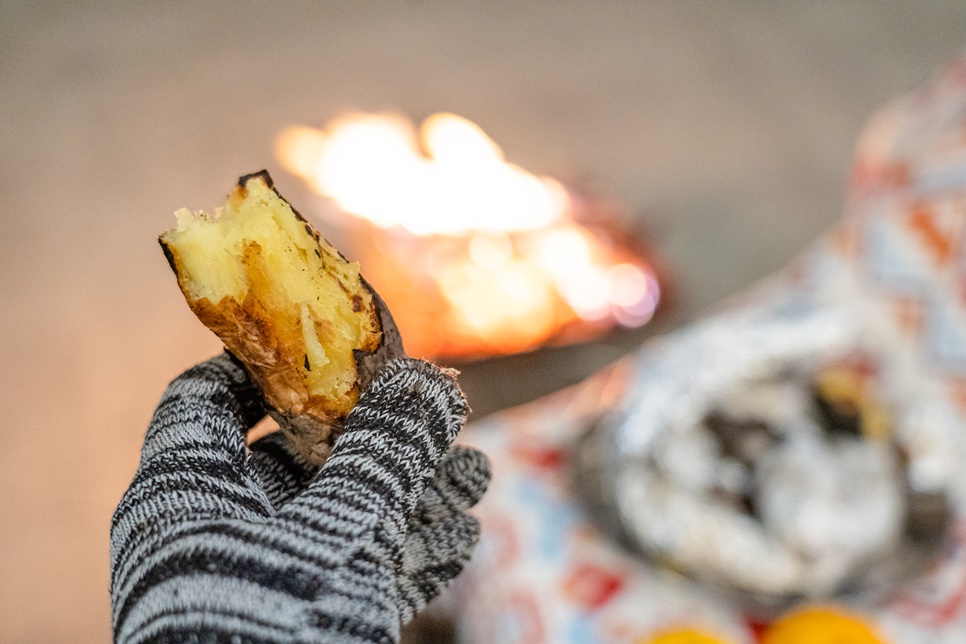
280 297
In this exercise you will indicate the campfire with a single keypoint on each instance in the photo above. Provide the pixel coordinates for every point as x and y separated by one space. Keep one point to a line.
475 256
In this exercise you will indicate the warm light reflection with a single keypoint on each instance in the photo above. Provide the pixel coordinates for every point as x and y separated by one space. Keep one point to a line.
473 254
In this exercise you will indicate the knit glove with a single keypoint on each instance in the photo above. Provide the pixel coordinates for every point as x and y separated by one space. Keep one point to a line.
214 542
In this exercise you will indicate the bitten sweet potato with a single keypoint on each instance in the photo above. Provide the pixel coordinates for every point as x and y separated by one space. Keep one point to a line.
309 329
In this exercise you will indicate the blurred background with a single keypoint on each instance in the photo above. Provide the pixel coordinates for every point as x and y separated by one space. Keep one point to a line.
723 130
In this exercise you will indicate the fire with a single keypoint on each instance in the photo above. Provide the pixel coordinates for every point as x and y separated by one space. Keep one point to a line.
473 254
374 167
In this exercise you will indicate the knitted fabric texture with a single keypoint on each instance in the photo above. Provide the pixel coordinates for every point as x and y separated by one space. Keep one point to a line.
216 542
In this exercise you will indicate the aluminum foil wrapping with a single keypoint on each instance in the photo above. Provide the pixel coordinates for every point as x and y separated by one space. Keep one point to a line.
774 509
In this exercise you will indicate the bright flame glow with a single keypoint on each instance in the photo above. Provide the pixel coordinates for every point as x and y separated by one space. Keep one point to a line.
587 293
473 254
628 284
372 166
491 251
564 251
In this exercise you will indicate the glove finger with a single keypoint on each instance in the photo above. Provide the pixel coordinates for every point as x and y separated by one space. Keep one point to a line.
194 461
433 555
282 471
211 405
388 452
459 484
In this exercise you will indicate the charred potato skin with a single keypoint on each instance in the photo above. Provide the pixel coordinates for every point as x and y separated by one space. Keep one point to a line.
274 357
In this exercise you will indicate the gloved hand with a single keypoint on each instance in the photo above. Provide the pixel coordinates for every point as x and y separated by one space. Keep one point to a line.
215 542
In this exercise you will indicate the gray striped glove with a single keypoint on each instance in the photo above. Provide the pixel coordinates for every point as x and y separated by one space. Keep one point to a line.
214 542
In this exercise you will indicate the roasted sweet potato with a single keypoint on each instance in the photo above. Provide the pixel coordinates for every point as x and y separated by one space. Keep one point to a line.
309 329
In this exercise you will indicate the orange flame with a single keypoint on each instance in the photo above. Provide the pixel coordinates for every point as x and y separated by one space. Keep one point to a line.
372 166
476 255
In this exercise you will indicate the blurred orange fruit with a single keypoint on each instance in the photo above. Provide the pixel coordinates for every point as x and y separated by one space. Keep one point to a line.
821 625
684 636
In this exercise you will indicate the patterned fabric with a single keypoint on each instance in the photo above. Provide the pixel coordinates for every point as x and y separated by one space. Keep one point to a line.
215 542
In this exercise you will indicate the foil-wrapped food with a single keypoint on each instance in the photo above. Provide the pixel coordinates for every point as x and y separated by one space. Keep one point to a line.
773 450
